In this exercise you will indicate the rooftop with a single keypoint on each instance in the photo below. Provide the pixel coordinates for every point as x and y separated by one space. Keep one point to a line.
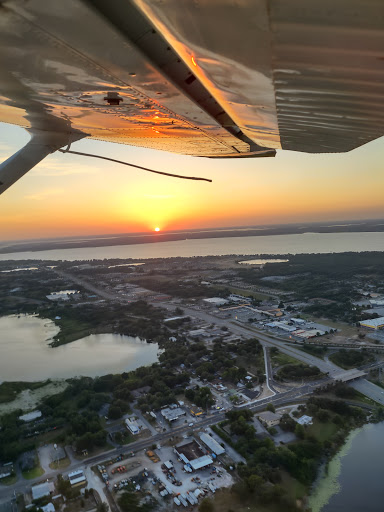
373 322
190 449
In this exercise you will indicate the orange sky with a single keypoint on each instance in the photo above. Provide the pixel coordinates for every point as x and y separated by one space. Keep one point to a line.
69 195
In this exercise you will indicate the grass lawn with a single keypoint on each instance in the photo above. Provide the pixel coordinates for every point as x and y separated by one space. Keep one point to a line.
33 473
60 464
322 431
9 480
281 359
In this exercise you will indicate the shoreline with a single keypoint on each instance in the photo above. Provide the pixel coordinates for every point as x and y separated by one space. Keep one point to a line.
154 238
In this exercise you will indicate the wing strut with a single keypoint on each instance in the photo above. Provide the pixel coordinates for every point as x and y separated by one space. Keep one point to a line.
42 143
136 166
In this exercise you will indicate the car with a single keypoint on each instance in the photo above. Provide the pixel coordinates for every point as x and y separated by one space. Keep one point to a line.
191 425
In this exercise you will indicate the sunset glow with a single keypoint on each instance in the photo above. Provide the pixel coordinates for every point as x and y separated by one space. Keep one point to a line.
157 229
69 195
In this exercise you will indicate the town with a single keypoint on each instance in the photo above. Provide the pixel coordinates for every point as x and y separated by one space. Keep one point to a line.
255 355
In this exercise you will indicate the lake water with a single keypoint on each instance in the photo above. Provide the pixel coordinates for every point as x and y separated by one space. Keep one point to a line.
306 243
261 262
354 479
25 354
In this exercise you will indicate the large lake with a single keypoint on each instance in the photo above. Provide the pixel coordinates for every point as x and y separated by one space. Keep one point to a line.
306 243
354 479
25 354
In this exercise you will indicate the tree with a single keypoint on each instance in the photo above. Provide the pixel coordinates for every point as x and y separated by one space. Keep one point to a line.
114 412
102 507
206 506
270 407
300 431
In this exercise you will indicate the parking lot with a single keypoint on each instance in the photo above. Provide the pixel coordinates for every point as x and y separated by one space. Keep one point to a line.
142 473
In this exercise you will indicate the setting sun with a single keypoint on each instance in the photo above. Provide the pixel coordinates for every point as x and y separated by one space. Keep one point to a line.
157 229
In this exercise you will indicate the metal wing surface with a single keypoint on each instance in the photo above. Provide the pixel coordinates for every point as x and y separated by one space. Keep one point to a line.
216 78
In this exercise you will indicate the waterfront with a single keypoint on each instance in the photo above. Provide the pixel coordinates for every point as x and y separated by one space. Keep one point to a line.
353 480
26 356
307 243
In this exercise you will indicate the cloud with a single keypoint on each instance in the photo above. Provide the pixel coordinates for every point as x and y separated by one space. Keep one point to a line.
44 194
54 167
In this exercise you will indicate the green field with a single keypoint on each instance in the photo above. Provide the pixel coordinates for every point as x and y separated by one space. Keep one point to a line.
322 431
9 480
281 359
33 473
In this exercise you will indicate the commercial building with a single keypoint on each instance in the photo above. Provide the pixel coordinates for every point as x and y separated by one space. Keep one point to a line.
192 455
77 478
373 323
216 301
212 444
269 419
196 411
298 321
31 416
172 414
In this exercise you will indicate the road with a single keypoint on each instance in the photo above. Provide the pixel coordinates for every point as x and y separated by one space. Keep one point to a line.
6 493
268 370
325 366
87 285
369 389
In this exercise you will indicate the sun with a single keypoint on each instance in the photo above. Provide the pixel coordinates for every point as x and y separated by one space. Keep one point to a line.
157 229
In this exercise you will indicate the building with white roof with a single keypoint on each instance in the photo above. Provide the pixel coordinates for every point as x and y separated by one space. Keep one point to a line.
132 426
212 444
42 490
373 323
77 478
216 301
172 414
305 420
31 416
201 462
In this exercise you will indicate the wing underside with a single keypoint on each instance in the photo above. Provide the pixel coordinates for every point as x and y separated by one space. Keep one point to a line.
214 78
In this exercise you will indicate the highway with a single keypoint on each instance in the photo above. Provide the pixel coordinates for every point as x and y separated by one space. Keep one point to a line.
369 389
325 366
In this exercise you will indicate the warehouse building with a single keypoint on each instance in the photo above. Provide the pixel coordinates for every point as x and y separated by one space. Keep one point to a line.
192 455
212 444
373 323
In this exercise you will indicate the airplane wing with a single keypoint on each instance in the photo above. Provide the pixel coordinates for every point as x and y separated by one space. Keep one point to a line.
211 78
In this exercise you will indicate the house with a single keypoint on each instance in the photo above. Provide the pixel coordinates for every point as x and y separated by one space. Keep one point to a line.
77 478
42 490
48 508
269 418
305 420
132 426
